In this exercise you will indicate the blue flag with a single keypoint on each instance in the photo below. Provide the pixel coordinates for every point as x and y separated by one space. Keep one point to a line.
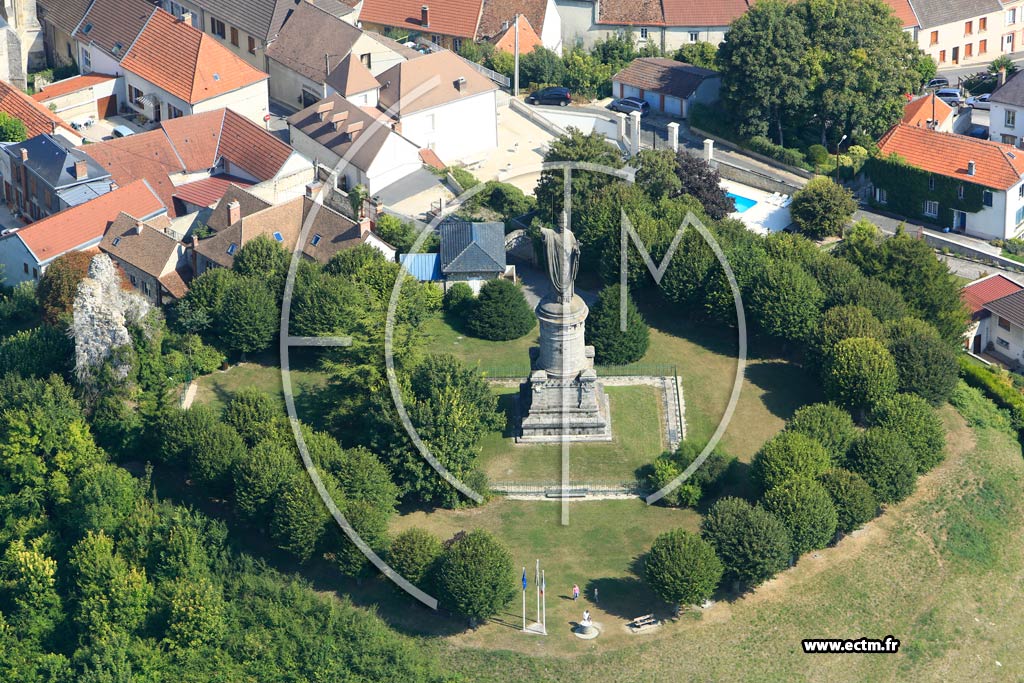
524 578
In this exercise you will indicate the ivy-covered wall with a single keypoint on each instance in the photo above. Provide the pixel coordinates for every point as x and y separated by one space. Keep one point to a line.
907 190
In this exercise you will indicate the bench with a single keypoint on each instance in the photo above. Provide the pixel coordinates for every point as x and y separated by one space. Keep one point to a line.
643 622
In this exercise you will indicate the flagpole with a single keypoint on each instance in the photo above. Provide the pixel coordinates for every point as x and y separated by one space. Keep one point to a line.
524 599
536 578
544 621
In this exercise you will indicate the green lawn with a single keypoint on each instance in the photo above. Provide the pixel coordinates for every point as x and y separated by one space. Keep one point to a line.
637 440
263 373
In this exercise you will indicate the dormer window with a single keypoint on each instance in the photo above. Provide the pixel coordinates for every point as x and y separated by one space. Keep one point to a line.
232 248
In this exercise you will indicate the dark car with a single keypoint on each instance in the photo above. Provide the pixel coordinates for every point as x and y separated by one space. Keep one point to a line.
559 96
628 105
939 82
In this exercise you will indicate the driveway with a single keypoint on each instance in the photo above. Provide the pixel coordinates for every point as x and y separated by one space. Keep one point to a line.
536 284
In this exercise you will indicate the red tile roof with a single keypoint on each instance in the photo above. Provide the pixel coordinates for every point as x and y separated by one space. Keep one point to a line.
450 18
70 85
186 62
497 12
703 12
919 112
145 156
997 166
987 290
528 38
38 118
430 158
631 12
208 191
248 145
904 12
195 138
72 228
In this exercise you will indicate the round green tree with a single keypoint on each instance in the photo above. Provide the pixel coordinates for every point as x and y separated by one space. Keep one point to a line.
883 458
682 568
804 507
501 312
253 414
475 576
822 208
214 456
249 316
612 345
751 542
860 373
847 322
414 553
828 424
260 477
458 301
785 301
787 455
926 363
854 500
916 421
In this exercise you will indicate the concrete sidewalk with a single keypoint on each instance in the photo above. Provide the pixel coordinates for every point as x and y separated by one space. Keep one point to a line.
889 225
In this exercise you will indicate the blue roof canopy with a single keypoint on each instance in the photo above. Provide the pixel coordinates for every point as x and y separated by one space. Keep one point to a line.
423 267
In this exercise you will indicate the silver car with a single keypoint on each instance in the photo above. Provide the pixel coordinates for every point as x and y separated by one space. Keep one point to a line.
950 96
979 102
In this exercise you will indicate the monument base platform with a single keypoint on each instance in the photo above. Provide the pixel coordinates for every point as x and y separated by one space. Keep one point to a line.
553 411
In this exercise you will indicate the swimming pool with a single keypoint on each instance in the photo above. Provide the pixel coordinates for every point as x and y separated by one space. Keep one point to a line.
742 203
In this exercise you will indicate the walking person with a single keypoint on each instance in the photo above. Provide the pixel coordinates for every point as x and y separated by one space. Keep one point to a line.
595 595
575 592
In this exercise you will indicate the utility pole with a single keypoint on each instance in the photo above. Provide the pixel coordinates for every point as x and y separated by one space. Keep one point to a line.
515 91
544 613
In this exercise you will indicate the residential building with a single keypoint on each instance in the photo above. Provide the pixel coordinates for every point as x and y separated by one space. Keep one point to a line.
106 31
962 31
929 112
981 334
971 186
37 117
472 253
667 85
45 175
505 40
1006 117
374 155
353 81
1005 333
59 19
539 21
442 104
81 99
314 43
26 253
155 263
188 160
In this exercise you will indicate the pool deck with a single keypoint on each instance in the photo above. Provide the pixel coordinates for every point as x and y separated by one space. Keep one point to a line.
764 217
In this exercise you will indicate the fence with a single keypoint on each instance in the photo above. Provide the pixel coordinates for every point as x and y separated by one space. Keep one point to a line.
572 489
501 79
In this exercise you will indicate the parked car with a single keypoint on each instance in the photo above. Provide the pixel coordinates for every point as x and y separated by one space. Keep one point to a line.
559 96
122 131
950 96
979 101
627 105
937 83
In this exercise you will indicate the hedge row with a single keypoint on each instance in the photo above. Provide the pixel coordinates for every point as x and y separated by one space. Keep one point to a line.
996 386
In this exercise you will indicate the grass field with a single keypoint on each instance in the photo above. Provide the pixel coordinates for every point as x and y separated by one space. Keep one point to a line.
940 572
637 440
263 373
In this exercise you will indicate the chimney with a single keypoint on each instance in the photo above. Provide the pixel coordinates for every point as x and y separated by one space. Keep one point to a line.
460 83
970 168
1002 76
425 16
313 188
139 225
365 226
186 18
24 154
81 169
234 212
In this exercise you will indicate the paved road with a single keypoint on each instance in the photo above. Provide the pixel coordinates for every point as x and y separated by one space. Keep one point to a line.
962 71
536 284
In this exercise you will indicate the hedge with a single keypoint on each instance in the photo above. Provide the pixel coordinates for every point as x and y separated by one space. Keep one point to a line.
996 387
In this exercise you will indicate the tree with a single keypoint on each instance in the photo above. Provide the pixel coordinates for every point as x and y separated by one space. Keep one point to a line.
787 455
501 312
703 183
829 425
59 285
805 508
682 568
822 208
202 305
300 520
860 373
586 185
703 482
541 67
356 196
11 129
885 461
700 54
363 477
249 316
214 456
414 553
263 258
195 613
1001 63
854 500
917 422
475 576
847 322
657 174
102 497
253 414
398 233
785 301
458 301
260 478
751 542
111 596
612 345
351 261
764 67
926 363
32 602
328 305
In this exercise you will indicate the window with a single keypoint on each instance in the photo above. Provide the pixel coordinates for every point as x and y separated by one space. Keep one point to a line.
1010 118
134 94
26 268
694 36
316 239
176 9
1002 342
881 196
968 28
1003 322
366 59
279 237
931 183
987 197
117 241
132 278
234 36
1011 16
960 192
86 60
232 248
434 38
942 56
1020 215
643 33
252 45
117 49
217 27
173 112
35 273
982 24
931 208
457 44
935 38
982 47
145 288
969 50
1008 139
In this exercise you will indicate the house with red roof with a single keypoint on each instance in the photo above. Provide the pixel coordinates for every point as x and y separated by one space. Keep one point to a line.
983 335
970 186
36 116
27 252
929 112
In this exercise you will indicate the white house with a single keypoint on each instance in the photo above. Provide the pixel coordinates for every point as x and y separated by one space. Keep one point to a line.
542 16
442 104
983 333
1005 328
1006 118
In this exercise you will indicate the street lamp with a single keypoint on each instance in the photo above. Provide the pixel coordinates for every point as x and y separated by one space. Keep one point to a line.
838 145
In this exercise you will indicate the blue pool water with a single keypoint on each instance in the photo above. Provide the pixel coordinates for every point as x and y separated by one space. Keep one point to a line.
742 203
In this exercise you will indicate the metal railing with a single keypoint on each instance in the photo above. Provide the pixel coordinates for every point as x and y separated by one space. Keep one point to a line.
501 79
572 489
522 371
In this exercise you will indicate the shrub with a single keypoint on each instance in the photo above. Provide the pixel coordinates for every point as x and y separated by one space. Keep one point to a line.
501 312
414 553
475 576
464 178
996 386
458 300
854 500
704 482
822 208
804 507
926 364
763 145
883 458
860 373
916 421
848 322
829 424
787 455
59 285
682 568
978 410
612 346
817 155
752 543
